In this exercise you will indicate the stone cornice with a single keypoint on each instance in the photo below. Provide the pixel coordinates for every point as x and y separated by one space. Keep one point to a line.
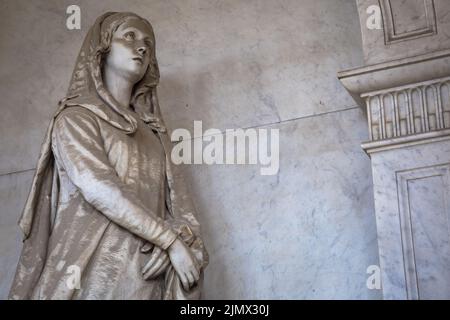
406 141
396 73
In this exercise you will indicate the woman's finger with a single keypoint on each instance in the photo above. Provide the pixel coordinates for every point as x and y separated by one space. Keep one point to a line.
154 256
151 273
152 270
196 275
197 268
161 269
146 247
195 278
190 278
184 281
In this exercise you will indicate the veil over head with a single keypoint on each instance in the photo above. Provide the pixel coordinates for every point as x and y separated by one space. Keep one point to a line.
87 87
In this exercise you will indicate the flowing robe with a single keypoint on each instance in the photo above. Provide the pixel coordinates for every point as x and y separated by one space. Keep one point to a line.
123 176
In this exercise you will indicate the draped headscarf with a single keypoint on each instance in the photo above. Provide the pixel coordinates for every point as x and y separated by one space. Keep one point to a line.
87 90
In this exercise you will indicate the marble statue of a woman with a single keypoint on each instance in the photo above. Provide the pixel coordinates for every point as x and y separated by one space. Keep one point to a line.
108 215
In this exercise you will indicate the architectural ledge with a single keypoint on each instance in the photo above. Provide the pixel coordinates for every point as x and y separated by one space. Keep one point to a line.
406 141
395 73
405 97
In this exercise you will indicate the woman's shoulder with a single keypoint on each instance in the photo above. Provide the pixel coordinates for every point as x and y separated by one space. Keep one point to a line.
76 118
75 114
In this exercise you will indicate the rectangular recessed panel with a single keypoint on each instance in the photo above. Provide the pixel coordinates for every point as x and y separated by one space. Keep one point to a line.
407 20
429 220
425 218
408 16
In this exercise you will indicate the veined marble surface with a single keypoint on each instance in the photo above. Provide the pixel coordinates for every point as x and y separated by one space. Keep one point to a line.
307 233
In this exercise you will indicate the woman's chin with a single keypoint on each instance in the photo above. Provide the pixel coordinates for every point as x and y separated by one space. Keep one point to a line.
135 74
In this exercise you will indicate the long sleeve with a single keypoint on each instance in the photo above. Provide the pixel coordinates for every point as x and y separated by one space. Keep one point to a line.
78 146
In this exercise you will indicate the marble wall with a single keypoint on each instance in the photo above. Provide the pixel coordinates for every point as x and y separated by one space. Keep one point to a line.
308 232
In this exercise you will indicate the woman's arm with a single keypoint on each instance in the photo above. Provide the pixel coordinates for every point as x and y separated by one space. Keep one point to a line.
78 145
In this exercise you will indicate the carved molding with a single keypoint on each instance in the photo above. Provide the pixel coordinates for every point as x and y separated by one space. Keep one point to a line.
412 109
425 23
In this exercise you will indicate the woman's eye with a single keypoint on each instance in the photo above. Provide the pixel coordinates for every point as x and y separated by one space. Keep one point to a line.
130 35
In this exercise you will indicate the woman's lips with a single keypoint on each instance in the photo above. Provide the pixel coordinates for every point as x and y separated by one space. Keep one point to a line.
141 60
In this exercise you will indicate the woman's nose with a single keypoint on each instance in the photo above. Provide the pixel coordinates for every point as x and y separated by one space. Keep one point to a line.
142 50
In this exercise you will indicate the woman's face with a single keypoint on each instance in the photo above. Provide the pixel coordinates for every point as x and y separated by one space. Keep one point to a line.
131 47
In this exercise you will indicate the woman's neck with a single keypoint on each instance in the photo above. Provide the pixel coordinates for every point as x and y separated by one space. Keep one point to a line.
119 87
